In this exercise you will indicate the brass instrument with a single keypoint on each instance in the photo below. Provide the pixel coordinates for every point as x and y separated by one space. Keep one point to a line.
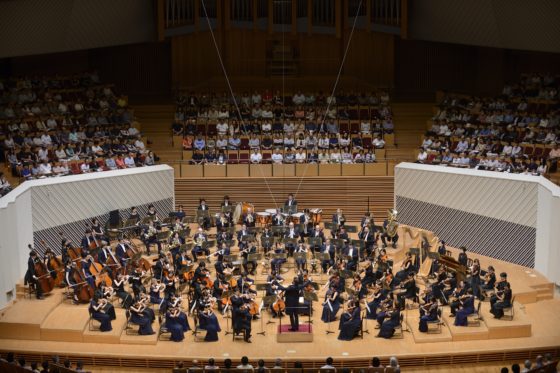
392 224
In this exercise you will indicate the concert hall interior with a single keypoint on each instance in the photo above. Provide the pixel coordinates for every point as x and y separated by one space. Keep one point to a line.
299 186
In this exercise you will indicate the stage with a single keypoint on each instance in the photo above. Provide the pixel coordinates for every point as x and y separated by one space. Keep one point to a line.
43 328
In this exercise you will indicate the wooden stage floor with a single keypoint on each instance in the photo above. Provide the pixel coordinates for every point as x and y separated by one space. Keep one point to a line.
49 327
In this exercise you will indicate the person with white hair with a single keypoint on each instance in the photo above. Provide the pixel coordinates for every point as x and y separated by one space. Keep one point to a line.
394 363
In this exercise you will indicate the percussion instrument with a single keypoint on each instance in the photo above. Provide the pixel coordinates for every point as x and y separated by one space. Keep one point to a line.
294 218
316 215
270 211
240 210
264 218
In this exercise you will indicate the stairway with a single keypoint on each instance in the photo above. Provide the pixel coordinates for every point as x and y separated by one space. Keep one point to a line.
410 126
155 122
282 59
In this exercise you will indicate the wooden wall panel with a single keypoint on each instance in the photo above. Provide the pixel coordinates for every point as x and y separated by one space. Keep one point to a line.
328 193
194 59
319 55
245 52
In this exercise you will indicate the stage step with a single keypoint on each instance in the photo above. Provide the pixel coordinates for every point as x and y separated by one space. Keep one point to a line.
134 338
65 323
519 327
23 319
114 336
464 333
413 321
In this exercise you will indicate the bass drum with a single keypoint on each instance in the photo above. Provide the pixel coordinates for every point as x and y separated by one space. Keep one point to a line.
241 209
316 215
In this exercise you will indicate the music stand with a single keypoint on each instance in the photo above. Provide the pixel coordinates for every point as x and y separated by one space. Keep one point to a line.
280 256
360 244
168 220
338 243
163 236
351 228
310 297
267 241
229 243
227 209
314 241
288 240
323 256
184 233
247 238
129 222
277 229
230 258
188 220
254 230
346 274
290 210
331 226
433 255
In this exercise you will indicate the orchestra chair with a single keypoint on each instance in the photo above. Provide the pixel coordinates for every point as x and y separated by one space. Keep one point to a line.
238 334
362 321
197 332
129 326
509 311
92 323
474 318
31 290
438 322
398 329
163 329
180 370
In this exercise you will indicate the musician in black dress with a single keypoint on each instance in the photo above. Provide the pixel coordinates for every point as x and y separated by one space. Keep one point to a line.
350 322
463 259
428 312
503 301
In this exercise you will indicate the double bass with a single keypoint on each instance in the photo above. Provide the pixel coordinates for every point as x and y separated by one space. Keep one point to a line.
44 278
84 290
54 265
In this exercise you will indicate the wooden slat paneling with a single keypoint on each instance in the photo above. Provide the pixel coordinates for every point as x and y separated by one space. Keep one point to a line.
328 193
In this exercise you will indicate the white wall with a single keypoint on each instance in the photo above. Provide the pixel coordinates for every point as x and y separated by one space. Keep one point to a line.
507 216
38 206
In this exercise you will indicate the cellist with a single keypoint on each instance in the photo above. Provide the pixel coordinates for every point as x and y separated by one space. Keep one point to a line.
30 277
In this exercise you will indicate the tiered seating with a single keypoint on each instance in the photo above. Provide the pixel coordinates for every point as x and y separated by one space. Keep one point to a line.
517 131
267 128
57 125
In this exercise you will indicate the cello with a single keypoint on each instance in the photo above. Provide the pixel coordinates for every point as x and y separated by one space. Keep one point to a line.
84 291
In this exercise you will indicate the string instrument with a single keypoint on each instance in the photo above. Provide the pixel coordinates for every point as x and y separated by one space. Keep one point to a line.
100 274
56 266
44 278
279 305
84 291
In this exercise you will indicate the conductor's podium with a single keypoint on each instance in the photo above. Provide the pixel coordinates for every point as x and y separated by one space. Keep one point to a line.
304 334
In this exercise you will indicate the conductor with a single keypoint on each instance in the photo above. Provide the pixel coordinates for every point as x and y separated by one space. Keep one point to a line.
292 294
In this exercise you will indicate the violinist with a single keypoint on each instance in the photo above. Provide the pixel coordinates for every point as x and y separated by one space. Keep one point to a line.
104 294
119 283
331 305
200 239
175 302
373 300
139 316
209 322
241 318
489 281
454 298
149 237
249 219
359 289
98 309
428 312
391 319
156 287
170 283
503 301
30 277
173 324
368 274
350 322
466 307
